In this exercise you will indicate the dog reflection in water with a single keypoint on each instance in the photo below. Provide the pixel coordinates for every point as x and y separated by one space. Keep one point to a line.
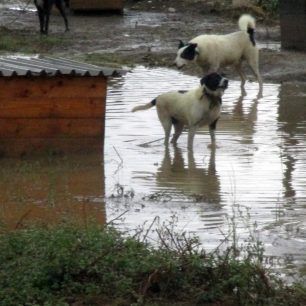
191 179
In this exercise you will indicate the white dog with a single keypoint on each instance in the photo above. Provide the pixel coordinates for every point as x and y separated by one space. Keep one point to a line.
211 52
194 108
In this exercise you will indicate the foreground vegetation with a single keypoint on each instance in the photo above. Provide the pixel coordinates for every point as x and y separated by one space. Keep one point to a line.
97 265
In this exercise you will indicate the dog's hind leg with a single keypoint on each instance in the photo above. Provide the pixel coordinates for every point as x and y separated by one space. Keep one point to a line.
166 124
242 77
253 63
59 5
178 129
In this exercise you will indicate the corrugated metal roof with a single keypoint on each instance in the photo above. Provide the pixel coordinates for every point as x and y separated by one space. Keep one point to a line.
49 66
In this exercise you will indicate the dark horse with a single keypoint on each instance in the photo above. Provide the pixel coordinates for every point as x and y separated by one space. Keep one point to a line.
44 8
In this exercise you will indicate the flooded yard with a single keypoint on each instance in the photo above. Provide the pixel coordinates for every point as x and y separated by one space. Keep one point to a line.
257 173
258 167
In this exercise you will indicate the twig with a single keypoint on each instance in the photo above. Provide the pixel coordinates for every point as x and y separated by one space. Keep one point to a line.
147 143
118 154
117 218
19 222
119 163
162 240
148 230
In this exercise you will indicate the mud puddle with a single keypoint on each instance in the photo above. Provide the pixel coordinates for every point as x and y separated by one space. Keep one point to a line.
259 167
18 5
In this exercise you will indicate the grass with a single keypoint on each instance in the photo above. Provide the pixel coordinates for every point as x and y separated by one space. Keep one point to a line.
97 265
108 59
24 42
270 6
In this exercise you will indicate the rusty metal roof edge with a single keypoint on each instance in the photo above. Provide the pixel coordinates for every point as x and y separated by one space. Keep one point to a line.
82 65
51 66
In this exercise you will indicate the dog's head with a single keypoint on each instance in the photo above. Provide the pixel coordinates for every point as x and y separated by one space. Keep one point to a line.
186 53
214 84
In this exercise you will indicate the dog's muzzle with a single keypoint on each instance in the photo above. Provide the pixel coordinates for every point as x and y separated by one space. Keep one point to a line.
223 83
179 67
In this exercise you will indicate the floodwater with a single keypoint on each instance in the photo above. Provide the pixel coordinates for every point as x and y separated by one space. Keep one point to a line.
257 174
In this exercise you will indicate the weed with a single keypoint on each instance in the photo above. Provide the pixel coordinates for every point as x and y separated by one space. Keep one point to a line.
66 265
271 6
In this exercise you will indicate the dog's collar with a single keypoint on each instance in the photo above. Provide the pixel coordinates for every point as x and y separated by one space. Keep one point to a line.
213 100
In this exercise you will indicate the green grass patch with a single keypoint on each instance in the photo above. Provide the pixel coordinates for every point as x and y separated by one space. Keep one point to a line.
107 59
270 6
100 266
26 42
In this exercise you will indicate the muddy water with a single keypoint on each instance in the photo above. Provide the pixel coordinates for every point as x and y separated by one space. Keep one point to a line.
257 173
51 189
259 167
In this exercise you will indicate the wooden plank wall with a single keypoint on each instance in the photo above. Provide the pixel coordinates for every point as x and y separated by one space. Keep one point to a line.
62 113
97 5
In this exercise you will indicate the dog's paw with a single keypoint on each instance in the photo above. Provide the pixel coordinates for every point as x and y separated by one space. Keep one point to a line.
212 146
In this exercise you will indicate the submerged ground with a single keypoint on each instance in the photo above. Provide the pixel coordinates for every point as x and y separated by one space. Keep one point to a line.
259 168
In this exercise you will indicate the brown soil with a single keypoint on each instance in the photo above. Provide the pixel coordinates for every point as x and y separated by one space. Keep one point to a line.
148 33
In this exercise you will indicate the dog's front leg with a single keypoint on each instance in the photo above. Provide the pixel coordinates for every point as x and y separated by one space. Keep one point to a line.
47 22
41 17
191 132
212 129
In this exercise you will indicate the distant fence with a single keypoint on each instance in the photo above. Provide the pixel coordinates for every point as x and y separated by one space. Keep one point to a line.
86 5
293 24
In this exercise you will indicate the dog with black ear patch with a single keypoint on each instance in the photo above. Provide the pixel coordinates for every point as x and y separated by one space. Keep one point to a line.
211 52
44 9
194 108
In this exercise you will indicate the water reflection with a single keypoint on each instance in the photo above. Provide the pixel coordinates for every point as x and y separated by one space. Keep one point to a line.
292 128
191 179
51 189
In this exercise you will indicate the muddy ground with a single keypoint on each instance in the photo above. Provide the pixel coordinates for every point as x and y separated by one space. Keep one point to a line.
148 33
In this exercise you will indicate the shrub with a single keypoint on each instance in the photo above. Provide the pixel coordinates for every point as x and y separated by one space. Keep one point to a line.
65 265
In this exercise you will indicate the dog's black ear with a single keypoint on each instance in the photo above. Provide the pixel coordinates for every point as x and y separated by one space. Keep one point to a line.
181 44
194 46
203 80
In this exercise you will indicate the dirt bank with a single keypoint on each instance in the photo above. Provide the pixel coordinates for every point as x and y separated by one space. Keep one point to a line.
147 33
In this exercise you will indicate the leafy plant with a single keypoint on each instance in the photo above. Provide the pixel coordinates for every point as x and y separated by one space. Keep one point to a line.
66 265
270 6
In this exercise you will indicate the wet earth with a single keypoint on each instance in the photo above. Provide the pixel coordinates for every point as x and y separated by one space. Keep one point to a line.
257 173
147 33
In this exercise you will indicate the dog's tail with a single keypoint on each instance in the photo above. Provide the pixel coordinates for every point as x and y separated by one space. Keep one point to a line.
247 23
144 106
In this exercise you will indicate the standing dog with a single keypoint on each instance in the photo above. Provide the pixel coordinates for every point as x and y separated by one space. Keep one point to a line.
194 108
211 52
44 8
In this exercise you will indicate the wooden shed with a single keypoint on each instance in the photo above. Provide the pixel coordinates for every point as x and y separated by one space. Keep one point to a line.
95 5
49 104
